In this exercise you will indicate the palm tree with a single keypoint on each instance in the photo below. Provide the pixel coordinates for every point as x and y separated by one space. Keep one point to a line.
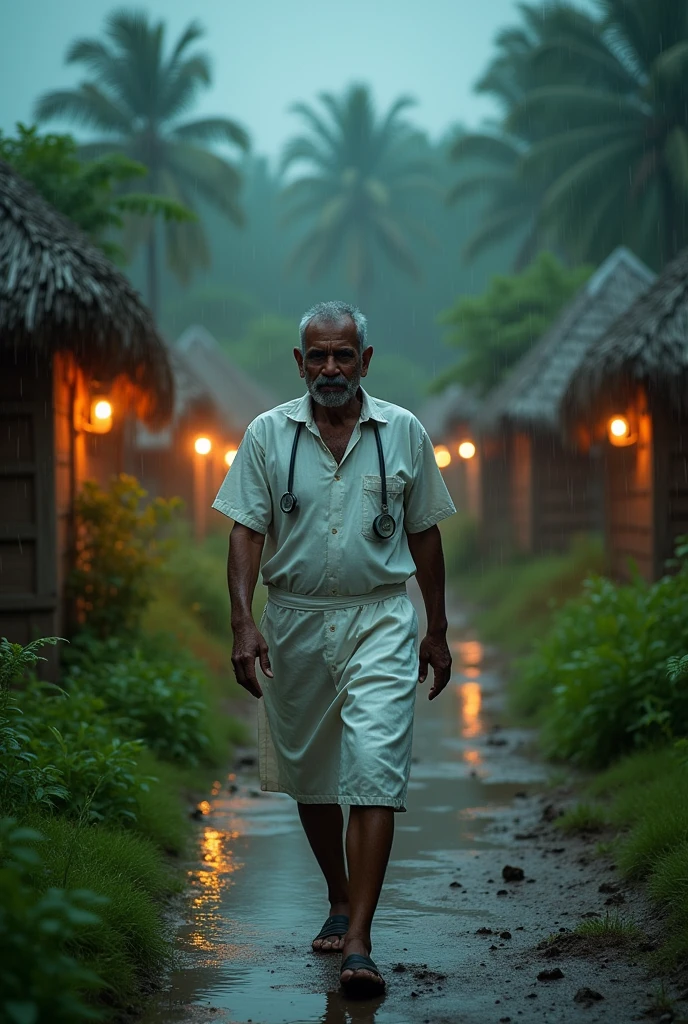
136 96
493 161
363 173
613 121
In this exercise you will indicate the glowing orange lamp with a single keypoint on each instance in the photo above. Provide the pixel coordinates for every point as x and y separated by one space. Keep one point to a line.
203 445
466 450
99 416
620 433
442 456
230 456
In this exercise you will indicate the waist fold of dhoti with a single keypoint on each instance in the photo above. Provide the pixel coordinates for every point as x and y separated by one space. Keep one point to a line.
325 602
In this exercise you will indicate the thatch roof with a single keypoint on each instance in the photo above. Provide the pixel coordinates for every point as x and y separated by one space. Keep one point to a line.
649 343
205 377
441 414
58 291
237 397
533 393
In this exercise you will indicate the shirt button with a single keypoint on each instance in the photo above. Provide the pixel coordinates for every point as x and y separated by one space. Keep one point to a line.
332 629
338 478
334 530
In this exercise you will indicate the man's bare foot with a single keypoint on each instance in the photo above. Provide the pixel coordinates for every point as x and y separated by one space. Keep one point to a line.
333 943
372 980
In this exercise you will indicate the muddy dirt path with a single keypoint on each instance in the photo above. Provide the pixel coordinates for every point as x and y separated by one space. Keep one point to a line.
455 940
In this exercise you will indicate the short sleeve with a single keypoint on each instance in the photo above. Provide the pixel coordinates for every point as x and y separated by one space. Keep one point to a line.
427 500
244 494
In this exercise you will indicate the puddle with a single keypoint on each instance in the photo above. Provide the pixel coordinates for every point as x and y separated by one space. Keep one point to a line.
257 898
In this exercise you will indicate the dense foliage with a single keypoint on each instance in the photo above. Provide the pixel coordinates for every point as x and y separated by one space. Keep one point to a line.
606 676
592 149
136 98
118 550
85 191
493 330
39 980
359 170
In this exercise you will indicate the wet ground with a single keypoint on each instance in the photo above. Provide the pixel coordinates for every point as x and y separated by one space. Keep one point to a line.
455 940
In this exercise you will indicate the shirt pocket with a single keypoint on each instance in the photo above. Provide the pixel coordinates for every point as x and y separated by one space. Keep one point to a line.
372 502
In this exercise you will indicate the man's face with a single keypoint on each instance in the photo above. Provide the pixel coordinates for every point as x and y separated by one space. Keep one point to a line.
331 364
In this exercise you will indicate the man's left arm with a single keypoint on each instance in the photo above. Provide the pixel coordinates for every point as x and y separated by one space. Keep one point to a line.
426 551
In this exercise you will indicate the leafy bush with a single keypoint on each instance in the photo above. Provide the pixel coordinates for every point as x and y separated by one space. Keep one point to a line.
22 779
159 701
118 554
460 543
606 672
40 983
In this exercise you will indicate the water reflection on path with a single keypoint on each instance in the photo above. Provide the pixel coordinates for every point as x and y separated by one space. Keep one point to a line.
257 899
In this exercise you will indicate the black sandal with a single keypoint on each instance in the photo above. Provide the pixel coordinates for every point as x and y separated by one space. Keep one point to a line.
361 987
337 924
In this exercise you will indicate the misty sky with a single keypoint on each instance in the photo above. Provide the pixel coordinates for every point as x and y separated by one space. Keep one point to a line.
269 53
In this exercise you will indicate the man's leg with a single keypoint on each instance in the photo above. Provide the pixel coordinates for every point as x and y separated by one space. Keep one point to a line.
324 827
368 844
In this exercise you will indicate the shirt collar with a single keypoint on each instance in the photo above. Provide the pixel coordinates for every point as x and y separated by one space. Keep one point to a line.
302 410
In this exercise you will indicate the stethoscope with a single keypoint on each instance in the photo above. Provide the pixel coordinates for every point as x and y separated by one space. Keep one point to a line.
384 525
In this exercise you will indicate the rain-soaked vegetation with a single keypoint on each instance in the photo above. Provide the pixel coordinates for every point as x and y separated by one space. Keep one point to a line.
518 278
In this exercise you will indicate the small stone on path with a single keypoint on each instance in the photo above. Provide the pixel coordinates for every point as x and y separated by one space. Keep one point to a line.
587 996
553 974
511 874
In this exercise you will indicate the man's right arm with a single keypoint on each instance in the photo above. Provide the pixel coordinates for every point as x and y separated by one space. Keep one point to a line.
243 566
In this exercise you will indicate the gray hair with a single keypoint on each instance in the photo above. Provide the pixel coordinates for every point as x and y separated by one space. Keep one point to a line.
332 312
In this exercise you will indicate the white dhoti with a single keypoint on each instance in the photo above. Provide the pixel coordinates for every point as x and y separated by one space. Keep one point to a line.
336 721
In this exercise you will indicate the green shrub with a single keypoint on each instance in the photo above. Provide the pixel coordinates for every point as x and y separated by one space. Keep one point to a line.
460 543
602 670
118 554
23 780
40 982
159 701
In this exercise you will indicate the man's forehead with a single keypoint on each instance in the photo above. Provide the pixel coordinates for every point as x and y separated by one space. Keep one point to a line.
326 332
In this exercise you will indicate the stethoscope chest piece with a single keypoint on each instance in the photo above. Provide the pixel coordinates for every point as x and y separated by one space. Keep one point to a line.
384 526
288 502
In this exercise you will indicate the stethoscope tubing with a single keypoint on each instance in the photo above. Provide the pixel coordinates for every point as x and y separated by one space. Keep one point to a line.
292 466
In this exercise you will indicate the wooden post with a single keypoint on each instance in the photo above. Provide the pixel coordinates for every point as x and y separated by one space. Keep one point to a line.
200 480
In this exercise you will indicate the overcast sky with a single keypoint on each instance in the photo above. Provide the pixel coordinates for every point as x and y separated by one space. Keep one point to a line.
269 53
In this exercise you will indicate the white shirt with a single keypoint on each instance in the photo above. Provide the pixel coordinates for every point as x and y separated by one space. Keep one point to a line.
327 547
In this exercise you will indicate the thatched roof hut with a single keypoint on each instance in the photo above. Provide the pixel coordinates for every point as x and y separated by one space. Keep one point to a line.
452 410
59 292
636 378
532 394
648 343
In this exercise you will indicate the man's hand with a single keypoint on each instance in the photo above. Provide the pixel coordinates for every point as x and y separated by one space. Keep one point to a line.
434 651
249 644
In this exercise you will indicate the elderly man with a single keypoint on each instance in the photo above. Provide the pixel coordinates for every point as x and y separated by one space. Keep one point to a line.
338 496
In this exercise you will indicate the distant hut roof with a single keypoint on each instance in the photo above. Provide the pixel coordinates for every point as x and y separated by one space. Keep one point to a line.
533 392
648 342
58 291
441 413
236 396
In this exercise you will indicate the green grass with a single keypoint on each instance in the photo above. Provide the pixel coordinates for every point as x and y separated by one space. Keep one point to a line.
582 818
515 601
612 929
128 946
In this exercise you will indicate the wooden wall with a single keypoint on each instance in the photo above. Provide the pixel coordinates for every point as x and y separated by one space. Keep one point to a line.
495 507
568 494
670 480
28 577
630 517
522 496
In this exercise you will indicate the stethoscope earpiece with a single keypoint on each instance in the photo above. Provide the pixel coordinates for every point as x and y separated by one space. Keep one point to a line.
384 525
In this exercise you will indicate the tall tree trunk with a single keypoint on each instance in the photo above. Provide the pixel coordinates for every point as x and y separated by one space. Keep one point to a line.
152 270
